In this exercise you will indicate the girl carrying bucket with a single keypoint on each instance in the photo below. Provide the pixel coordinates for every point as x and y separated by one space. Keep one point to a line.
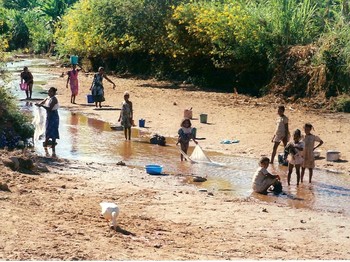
73 82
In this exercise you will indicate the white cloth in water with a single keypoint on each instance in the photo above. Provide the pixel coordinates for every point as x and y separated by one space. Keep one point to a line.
199 155
39 122
110 212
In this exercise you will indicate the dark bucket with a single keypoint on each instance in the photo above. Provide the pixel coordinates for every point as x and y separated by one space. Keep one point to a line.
142 122
90 99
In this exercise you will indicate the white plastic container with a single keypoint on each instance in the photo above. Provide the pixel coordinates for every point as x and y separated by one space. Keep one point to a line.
332 155
317 153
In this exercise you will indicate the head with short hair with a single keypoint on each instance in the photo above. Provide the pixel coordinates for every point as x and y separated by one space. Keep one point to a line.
101 69
264 160
52 91
297 135
281 110
307 128
184 121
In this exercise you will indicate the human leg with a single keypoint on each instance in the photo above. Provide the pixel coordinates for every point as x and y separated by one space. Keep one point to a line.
274 150
297 171
184 148
53 147
302 174
125 133
290 170
310 174
30 89
129 133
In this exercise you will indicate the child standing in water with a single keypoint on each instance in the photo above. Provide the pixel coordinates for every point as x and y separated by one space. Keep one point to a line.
185 135
262 179
126 116
309 159
295 157
281 133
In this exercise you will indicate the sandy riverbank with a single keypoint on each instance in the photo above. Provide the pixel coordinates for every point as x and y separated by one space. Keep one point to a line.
55 215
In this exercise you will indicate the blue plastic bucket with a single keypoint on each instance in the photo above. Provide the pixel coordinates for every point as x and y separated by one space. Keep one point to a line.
74 59
90 99
142 122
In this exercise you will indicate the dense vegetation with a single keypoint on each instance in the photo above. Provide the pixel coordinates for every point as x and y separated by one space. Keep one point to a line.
15 127
294 48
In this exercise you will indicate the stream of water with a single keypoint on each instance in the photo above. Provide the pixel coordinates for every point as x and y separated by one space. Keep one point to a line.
88 139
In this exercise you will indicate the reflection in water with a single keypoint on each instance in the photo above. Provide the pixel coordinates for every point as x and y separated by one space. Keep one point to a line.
126 150
73 130
89 139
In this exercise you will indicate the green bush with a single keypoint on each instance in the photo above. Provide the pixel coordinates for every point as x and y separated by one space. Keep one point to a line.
342 104
14 125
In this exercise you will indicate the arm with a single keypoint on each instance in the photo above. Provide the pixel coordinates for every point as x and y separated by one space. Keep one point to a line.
30 77
41 103
319 144
68 79
80 68
273 176
287 130
93 81
109 80
273 138
194 140
21 78
131 112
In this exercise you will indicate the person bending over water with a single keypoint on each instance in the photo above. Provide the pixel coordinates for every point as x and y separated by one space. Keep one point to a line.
27 78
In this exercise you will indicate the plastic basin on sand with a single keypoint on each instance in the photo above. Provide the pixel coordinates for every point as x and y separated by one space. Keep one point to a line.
154 169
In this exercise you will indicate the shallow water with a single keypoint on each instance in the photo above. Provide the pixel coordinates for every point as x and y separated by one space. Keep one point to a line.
88 139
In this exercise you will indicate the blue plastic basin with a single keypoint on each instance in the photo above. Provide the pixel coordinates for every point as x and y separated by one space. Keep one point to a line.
154 169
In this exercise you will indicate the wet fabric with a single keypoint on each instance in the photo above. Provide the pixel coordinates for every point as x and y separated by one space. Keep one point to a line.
199 155
52 120
39 123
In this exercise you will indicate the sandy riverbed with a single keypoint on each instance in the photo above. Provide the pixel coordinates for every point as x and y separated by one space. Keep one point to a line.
55 215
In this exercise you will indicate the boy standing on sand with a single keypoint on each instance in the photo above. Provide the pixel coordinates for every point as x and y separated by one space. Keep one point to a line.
281 133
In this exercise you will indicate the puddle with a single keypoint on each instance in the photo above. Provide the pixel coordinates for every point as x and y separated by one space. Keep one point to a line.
88 139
